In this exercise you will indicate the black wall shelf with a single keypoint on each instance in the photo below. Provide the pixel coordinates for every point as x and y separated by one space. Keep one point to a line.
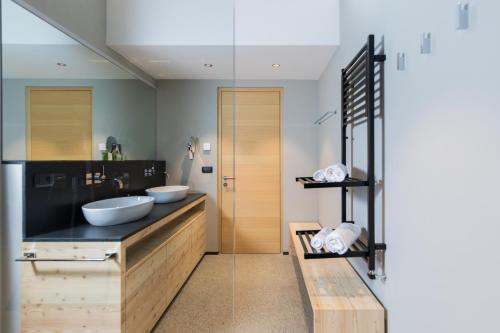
358 105
309 182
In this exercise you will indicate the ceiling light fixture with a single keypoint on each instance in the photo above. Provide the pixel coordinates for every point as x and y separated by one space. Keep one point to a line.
208 65
276 65
61 64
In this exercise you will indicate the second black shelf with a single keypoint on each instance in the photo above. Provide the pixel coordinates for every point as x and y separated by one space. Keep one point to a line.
357 250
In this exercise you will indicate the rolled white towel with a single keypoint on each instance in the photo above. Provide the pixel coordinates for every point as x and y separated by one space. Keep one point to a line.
318 241
341 239
336 173
319 176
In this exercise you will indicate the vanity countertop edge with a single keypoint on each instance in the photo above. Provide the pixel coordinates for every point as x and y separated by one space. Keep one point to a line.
88 233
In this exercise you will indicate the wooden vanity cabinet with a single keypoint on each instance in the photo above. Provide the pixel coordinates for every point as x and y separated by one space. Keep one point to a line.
128 293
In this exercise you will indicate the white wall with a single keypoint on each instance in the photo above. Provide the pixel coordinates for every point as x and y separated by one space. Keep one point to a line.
442 137
201 22
189 108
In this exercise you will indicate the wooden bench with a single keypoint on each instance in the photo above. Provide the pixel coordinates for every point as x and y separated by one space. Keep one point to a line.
340 301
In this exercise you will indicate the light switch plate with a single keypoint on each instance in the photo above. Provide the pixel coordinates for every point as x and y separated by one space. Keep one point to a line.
102 146
207 146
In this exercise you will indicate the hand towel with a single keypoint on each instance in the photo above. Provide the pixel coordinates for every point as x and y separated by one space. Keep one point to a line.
319 176
341 239
336 173
318 241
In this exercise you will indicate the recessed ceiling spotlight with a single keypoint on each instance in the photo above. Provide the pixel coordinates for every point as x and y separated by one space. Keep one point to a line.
208 65
276 65
61 64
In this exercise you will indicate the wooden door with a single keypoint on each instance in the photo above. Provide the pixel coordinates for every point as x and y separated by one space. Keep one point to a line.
59 124
250 151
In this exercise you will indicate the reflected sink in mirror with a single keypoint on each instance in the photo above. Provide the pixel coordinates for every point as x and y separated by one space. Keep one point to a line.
166 194
117 210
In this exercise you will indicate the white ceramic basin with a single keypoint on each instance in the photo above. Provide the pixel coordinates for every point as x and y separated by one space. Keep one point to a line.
165 194
117 210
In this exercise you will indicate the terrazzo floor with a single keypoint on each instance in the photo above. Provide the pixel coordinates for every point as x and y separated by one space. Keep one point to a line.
260 295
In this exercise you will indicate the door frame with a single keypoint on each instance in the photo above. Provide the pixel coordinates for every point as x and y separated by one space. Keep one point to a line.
220 90
28 91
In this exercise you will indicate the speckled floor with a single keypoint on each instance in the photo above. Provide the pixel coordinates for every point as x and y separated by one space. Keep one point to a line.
267 297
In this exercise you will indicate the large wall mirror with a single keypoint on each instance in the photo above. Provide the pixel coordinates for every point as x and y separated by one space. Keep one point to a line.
62 101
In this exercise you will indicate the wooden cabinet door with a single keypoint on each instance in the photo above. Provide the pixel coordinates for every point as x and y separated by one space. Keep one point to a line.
71 296
146 293
178 268
199 236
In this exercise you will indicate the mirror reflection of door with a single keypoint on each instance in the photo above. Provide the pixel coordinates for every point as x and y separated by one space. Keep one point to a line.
255 163
59 123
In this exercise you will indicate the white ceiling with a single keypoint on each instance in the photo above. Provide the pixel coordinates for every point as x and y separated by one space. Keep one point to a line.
171 39
31 49
22 61
251 62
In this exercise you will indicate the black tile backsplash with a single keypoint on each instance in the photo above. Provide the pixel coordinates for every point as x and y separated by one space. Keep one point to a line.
56 190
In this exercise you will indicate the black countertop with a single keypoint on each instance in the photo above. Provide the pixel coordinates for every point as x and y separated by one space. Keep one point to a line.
116 233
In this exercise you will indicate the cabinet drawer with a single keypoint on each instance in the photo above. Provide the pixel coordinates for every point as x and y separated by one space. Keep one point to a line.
146 293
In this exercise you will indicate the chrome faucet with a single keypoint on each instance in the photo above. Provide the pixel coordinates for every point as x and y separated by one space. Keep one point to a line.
119 181
101 178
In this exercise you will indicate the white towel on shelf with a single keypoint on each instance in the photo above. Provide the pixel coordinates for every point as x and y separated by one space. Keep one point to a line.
341 239
319 176
336 173
318 241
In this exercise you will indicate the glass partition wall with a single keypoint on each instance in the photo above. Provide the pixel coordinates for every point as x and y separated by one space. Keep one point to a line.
69 118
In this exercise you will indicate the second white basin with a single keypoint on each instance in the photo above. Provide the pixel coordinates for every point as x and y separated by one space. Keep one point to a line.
165 194
117 210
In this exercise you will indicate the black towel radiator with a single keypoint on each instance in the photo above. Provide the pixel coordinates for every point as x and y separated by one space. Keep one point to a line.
358 105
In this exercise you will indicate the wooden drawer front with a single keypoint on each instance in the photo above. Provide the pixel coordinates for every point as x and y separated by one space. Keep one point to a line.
178 251
71 296
146 293
199 236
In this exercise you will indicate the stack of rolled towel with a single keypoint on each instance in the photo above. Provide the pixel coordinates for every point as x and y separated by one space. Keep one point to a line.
333 173
338 240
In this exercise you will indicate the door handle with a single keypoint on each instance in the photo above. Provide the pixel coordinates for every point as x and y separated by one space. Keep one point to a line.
226 178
